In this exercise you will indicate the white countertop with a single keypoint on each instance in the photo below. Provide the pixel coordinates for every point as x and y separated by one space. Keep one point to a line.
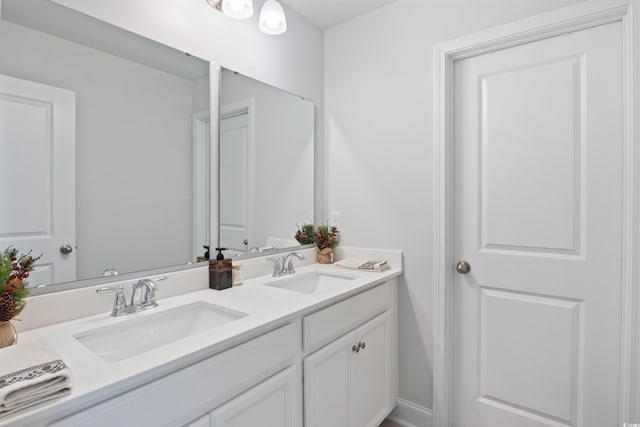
266 307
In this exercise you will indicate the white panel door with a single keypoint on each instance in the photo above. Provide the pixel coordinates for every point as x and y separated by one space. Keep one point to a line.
235 230
538 208
37 167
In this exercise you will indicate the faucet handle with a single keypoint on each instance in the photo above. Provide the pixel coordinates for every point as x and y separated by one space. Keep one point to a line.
107 290
277 266
120 303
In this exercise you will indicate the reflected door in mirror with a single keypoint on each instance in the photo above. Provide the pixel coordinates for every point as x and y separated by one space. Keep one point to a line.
235 181
265 204
37 171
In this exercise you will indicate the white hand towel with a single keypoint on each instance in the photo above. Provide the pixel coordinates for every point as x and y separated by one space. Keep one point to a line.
363 264
30 375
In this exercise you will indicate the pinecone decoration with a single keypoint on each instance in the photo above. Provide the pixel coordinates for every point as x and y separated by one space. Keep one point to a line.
7 306
13 285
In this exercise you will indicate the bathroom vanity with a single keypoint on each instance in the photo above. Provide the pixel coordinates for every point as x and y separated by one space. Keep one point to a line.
316 348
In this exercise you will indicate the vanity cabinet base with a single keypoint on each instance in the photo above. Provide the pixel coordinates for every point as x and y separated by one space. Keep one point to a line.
177 398
352 381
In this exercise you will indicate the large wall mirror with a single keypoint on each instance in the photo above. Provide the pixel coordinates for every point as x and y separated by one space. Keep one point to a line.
266 165
97 134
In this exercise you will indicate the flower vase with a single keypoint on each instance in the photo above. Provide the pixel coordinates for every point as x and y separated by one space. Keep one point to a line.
325 256
8 334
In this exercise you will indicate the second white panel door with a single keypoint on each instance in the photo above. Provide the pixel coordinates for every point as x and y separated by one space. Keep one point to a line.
538 217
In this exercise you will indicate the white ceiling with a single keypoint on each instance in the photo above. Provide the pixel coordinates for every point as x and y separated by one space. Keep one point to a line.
327 13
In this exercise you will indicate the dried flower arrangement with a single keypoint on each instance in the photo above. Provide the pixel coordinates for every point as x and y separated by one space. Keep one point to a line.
14 270
327 237
305 234
324 237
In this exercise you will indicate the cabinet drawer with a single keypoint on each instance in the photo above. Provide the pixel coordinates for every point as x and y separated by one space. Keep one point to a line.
325 325
176 398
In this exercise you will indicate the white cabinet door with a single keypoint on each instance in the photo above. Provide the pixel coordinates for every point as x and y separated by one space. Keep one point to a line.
373 398
326 384
349 382
272 403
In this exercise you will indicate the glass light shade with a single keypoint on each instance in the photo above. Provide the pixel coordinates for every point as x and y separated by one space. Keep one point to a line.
237 9
272 19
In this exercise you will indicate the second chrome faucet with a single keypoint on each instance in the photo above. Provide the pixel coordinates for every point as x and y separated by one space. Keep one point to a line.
285 266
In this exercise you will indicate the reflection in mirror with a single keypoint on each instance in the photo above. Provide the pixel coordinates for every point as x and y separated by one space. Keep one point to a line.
97 134
266 165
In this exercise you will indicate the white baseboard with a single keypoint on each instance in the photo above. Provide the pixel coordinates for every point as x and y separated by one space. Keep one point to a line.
408 414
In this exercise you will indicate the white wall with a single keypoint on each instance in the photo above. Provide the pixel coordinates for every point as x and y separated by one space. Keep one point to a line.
127 113
292 61
379 127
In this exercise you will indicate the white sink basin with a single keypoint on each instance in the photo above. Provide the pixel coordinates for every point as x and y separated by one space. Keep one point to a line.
312 282
138 335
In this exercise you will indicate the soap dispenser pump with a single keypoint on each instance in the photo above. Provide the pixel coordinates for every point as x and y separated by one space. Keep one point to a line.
220 272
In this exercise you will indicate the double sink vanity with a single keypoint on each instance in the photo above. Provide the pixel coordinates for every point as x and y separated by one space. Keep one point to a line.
313 348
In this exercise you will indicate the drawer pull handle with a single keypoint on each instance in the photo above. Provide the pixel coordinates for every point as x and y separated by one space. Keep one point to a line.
355 348
362 345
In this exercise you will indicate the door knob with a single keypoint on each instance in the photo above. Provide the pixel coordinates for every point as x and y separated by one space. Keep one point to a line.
463 267
66 249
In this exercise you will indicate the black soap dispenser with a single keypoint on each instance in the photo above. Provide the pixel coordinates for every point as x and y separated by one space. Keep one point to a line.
220 272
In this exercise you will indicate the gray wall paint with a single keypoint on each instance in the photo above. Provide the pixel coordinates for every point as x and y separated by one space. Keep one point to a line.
379 127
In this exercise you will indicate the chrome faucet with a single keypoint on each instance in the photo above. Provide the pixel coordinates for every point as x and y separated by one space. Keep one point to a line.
284 266
287 263
146 300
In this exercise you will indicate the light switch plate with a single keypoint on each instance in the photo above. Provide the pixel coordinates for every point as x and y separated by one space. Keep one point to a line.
334 219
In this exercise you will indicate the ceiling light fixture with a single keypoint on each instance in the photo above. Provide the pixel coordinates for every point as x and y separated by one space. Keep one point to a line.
236 9
272 19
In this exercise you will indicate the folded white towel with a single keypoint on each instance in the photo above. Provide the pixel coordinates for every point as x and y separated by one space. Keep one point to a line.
363 264
29 375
